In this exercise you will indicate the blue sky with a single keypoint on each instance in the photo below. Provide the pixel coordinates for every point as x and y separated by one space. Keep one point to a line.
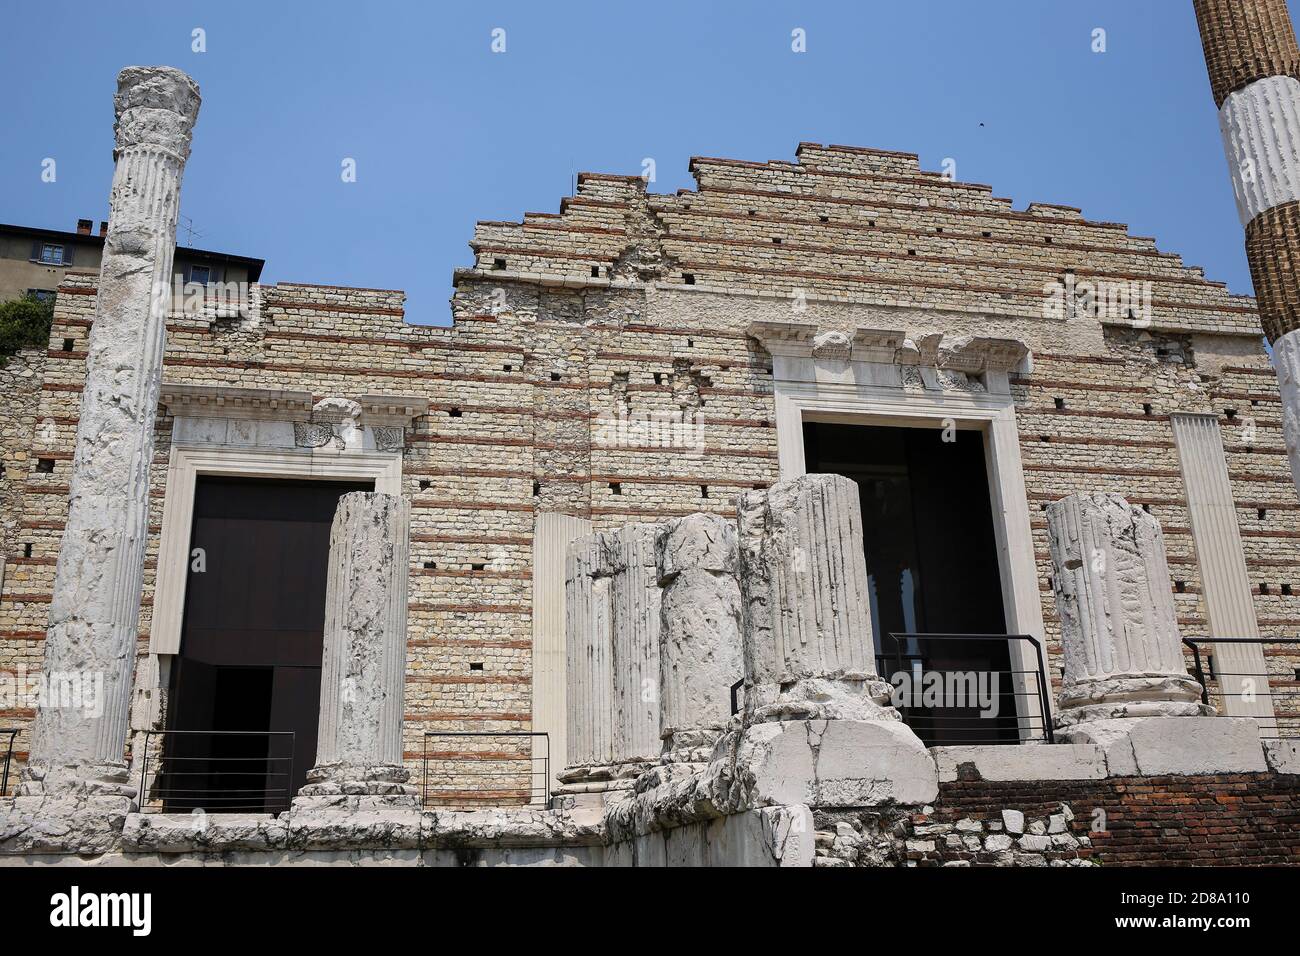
445 132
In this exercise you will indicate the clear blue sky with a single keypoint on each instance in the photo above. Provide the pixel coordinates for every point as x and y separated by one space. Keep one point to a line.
445 132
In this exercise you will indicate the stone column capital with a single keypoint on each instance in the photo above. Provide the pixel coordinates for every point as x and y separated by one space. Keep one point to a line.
155 106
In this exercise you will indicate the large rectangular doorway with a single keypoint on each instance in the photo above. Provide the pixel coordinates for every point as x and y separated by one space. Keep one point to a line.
248 673
932 565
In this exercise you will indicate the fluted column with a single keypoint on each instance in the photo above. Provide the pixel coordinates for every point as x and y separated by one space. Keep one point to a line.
699 635
808 646
634 603
363 669
1119 628
95 607
1254 66
612 592
590 681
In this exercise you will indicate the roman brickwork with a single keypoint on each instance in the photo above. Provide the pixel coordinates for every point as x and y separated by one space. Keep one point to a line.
599 366
1217 820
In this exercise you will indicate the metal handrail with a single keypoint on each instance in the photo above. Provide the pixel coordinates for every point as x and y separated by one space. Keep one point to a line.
12 733
538 766
1285 724
1024 723
268 798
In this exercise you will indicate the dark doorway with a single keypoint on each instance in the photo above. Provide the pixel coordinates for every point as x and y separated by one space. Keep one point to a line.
931 562
248 672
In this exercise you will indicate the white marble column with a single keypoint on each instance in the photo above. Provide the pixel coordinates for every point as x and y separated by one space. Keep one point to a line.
612 594
589 674
1119 629
699 634
363 670
634 616
808 645
96 601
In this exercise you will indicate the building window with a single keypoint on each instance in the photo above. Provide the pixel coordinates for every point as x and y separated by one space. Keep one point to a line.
200 274
51 254
45 295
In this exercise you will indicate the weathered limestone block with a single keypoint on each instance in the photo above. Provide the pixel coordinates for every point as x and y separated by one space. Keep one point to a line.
1119 629
699 637
359 746
807 617
612 633
78 747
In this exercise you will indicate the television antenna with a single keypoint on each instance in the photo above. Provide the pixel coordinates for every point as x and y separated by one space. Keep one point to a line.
190 232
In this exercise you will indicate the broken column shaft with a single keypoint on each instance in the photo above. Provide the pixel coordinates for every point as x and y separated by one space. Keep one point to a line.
699 633
612 637
95 607
1119 628
363 670
808 641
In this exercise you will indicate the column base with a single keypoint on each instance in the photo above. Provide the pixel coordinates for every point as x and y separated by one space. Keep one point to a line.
1129 710
1152 695
351 787
68 810
823 763
821 698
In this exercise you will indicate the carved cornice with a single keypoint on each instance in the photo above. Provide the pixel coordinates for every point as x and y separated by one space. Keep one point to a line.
271 404
964 353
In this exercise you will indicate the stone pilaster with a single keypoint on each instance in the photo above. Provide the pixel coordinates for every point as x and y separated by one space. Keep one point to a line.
95 608
363 670
807 611
699 634
1119 629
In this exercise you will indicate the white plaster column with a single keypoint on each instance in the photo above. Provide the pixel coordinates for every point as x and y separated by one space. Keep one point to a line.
363 669
96 600
699 634
808 647
1119 629
1286 360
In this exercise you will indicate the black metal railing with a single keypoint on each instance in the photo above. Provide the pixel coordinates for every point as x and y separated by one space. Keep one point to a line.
735 696
964 689
472 768
217 771
1277 690
12 734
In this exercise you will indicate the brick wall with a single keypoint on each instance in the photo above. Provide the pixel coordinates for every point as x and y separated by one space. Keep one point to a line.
639 303
1233 819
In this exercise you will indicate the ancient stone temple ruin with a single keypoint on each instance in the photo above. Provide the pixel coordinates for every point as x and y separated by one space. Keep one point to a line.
832 512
